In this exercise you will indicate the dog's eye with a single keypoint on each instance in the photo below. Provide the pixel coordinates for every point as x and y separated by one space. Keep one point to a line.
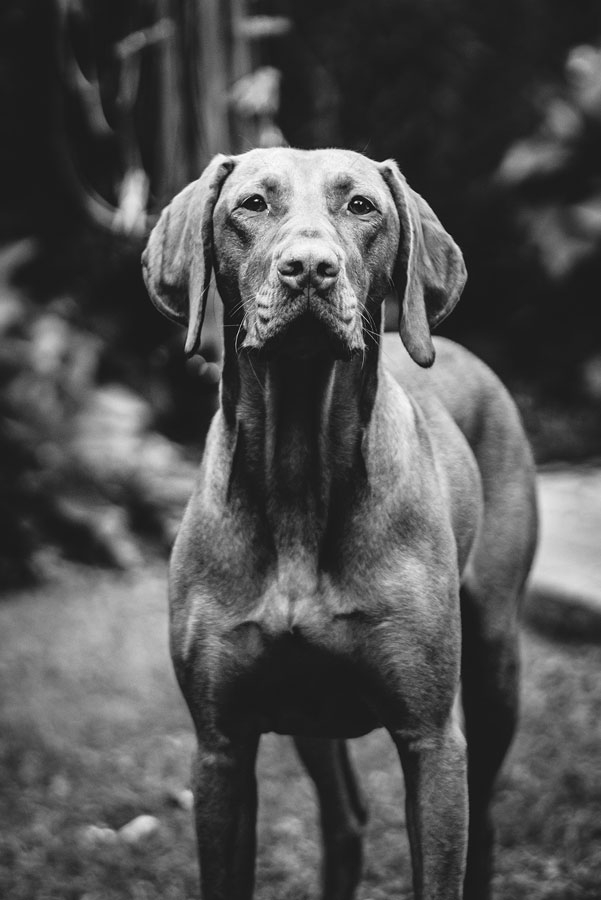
360 206
254 203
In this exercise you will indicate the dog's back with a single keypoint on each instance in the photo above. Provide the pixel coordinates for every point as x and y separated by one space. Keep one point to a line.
487 416
477 402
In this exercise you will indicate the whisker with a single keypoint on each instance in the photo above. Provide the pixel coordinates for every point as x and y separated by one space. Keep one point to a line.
369 326
257 379
236 308
236 347
369 323
370 333
369 315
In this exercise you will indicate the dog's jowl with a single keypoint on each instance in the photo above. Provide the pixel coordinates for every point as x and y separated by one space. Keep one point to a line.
363 520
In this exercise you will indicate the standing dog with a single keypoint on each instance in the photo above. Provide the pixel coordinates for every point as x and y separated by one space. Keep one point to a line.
361 529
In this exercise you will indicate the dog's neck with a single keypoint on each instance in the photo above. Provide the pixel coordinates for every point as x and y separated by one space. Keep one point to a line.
298 425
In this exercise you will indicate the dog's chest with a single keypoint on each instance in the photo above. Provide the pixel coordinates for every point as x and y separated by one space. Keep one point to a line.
295 597
311 654
294 655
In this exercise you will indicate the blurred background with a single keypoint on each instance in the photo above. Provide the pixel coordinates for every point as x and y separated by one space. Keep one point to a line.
493 111
107 108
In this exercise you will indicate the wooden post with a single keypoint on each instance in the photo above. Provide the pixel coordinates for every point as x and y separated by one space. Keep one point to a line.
170 164
213 78
242 54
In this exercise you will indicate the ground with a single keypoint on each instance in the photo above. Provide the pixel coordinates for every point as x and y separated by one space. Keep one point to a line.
93 732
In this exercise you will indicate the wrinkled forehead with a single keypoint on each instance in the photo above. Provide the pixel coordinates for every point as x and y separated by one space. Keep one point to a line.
286 173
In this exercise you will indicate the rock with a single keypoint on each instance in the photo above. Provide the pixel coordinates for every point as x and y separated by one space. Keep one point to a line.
184 798
97 835
139 829
59 787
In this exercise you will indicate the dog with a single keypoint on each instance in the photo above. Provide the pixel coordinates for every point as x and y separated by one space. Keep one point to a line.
363 523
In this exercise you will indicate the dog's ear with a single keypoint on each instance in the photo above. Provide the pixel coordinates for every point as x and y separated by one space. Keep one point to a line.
177 261
429 265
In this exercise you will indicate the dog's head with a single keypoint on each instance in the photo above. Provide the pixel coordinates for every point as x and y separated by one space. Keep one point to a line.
304 245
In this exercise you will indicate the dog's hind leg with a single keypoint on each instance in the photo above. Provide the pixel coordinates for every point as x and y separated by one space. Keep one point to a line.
490 675
490 600
342 810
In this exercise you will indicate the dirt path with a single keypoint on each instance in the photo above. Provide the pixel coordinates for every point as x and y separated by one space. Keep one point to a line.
570 547
565 595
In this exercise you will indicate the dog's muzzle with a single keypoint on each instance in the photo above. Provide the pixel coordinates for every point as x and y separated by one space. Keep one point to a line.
307 305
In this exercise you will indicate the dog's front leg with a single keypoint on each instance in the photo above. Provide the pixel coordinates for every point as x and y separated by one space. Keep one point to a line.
435 772
225 802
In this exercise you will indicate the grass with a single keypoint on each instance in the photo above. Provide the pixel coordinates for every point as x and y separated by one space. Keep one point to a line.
93 731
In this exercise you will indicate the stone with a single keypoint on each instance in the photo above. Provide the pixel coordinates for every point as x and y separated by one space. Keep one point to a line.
139 829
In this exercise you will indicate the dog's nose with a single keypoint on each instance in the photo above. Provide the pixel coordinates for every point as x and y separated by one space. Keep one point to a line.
308 264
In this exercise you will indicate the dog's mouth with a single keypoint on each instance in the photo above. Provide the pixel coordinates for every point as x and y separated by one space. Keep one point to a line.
306 336
304 325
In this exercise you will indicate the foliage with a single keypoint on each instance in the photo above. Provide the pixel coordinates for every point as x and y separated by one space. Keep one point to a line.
83 349
447 88
456 90
83 467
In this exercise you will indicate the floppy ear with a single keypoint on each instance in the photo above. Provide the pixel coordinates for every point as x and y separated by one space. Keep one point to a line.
429 264
177 261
